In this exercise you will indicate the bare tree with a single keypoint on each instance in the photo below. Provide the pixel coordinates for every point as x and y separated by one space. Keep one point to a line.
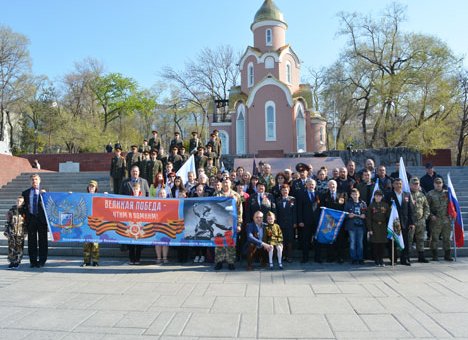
209 77
15 68
463 116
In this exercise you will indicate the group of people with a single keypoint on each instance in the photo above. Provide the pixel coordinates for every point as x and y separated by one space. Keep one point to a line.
276 213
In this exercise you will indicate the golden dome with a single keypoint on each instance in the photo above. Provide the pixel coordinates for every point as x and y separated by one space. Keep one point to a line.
269 11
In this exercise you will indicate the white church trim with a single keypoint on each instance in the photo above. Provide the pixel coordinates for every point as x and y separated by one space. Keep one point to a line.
270 80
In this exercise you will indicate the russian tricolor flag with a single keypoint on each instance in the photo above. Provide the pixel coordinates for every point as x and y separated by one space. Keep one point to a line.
453 210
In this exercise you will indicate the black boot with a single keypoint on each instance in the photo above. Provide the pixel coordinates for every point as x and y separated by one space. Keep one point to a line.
434 255
421 258
447 256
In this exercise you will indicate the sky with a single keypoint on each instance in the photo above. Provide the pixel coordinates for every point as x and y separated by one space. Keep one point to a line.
139 37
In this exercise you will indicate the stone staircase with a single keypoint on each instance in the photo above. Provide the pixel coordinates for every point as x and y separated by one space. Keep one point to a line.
77 182
55 182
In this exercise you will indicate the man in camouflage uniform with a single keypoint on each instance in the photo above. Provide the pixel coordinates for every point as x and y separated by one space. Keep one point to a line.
118 169
421 212
228 253
439 219
15 232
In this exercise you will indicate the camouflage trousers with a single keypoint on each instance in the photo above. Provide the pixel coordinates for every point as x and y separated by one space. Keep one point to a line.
417 234
90 252
440 227
15 248
227 254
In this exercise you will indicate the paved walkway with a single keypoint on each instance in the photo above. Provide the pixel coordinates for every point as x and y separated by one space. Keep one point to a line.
116 301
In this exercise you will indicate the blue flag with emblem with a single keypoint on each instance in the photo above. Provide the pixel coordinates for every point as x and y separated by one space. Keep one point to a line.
329 225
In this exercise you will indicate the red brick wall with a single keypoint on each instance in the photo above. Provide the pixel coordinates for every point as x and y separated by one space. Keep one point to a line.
11 167
88 161
442 157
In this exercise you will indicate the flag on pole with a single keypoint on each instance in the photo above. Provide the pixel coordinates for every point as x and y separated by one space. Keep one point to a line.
394 227
254 168
453 210
330 223
403 176
376 187
188 166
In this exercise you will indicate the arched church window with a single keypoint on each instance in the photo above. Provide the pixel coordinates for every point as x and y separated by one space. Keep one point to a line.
269 62
240 130
288 72
300 129
270 121
223 135
269 37
250 75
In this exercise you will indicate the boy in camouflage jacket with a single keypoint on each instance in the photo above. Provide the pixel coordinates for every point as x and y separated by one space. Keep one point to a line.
15 231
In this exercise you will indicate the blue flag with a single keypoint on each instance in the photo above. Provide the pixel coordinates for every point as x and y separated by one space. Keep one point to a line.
330 223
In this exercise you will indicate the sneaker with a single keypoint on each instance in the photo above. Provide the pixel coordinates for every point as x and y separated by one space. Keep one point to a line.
158 261
85 264
231 266
196 259
271 266
202 259
218 266
361 261
137 262
165 261
280 266
95 264
11 266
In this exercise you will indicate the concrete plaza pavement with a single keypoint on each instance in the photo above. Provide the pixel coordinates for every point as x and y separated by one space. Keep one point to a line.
117 301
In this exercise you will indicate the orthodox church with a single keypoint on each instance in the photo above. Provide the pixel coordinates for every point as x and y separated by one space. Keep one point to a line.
270 113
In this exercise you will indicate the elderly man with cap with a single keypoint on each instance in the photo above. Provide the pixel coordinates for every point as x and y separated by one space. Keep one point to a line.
439 219
420 214
299 185
118 169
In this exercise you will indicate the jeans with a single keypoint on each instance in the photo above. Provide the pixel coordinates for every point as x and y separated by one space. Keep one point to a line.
356 239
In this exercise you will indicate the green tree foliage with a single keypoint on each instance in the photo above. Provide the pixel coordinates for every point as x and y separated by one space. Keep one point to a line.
400 86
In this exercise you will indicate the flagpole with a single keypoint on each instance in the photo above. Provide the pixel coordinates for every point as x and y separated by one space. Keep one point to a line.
452 222
393 252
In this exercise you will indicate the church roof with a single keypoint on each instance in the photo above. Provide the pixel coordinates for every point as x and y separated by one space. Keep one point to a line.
269 11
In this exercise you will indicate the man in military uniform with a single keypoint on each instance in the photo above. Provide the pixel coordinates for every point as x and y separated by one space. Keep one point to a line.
420 214
145 167
155 166
200 158
177 141
228 253
183 155
118 170
155 141
144 147
439 219
214 147
194 143
133 158
175 158
267 178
